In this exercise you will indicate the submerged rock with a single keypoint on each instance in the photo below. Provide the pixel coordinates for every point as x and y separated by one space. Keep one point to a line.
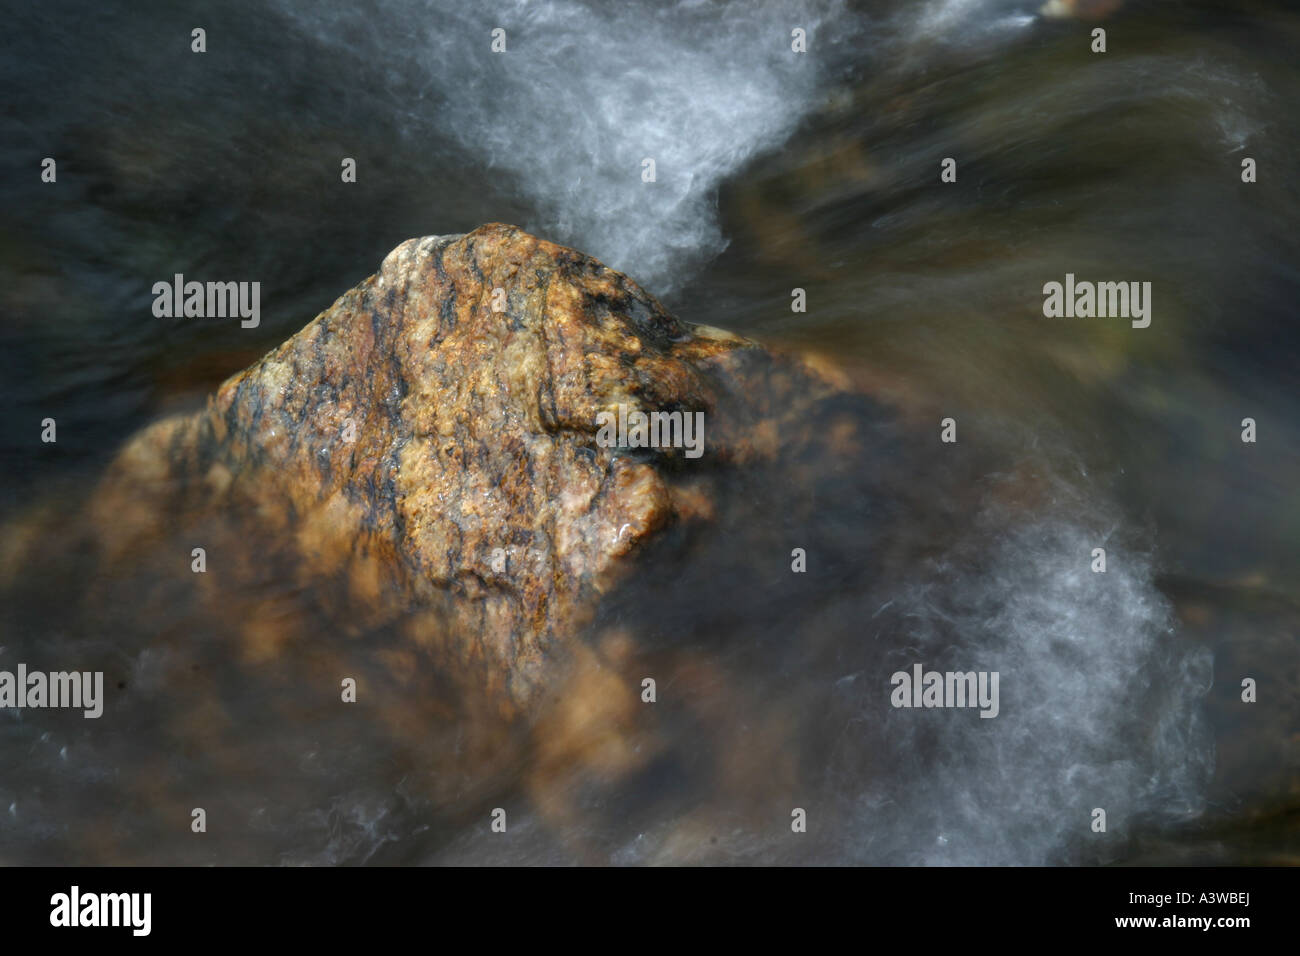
411 504
395 572
394 575
428 446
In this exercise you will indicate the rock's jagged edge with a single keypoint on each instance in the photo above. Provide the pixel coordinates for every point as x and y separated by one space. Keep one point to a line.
474 431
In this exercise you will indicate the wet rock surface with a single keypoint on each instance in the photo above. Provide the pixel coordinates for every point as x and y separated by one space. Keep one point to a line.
429 444
410 493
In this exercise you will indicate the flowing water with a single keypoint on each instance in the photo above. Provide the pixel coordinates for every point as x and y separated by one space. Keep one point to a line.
774 171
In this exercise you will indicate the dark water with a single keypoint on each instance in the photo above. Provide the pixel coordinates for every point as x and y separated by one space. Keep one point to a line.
775 171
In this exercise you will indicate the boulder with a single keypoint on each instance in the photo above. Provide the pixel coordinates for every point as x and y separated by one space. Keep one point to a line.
395 576
425 452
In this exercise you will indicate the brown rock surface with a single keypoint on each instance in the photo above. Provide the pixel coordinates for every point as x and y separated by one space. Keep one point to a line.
473 430
409 494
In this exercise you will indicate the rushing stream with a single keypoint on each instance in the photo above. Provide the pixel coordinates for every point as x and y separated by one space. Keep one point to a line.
774 171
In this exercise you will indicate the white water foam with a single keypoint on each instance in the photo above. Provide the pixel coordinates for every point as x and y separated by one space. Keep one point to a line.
1101 699
588 90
